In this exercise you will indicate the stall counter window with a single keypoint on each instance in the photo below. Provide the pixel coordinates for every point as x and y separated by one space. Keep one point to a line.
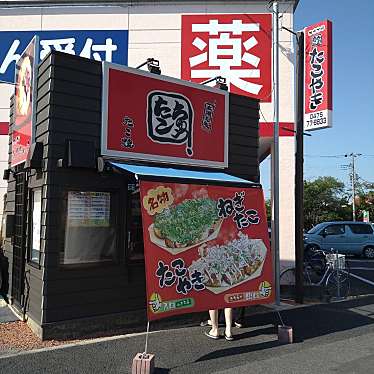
90 228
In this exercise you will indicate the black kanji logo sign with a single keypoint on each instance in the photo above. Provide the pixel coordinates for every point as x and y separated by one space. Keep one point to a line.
170 119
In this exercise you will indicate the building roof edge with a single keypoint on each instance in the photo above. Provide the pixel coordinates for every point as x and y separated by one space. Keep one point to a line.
50 3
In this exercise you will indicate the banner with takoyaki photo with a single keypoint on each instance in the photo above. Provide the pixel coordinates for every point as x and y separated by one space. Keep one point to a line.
25 102
205 246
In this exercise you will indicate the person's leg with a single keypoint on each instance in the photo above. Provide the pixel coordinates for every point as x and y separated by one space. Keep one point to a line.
213 314
206 322
221 318
228 319
238 316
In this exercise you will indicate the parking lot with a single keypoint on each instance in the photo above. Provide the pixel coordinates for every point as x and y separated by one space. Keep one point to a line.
362 275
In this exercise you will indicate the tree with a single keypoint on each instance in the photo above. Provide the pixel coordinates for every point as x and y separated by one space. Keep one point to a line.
268 209
364 198
325 199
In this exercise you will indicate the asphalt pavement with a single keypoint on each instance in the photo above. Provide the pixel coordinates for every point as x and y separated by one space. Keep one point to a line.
329 338
361 275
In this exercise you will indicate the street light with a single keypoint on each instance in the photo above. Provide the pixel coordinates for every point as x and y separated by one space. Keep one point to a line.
220 83
153 65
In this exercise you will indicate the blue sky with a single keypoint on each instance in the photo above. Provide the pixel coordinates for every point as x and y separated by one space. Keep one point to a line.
353 90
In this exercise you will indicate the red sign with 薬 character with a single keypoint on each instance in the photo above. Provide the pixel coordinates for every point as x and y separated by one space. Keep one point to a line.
318 76
206 247
150 117
234 46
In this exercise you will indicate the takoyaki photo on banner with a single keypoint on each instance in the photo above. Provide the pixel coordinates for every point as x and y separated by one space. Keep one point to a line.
205 247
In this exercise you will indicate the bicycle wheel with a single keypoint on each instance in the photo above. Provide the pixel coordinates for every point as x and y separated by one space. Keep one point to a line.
311 276
317 262
287 277
338 284
287 283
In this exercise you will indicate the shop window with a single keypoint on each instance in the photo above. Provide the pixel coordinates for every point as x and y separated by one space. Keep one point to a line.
36 209
90 228
135 247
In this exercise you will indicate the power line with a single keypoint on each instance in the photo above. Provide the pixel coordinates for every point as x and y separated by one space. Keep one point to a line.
365 181
325 156
337 156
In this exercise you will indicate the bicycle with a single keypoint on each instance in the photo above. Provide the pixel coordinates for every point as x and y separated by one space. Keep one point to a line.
320 268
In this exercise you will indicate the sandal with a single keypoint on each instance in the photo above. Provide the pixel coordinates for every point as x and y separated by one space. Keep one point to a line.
229 338
238 325
205 323
215 337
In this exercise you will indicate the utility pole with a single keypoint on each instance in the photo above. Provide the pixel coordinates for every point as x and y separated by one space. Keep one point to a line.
353 181
275 153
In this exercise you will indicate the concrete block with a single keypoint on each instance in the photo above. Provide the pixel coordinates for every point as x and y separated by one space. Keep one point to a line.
285 334
143 364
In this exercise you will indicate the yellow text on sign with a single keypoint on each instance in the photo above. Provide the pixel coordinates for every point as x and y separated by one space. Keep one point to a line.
156 200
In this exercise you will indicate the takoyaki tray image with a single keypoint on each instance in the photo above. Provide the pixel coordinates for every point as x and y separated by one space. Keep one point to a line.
230 265
185 225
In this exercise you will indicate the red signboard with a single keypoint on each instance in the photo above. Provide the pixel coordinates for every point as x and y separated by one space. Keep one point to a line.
234 46
156 118
4 128
25 87
206 247
318 76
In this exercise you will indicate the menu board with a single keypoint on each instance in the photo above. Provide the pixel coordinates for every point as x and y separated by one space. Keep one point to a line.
89 209
36 223
206 247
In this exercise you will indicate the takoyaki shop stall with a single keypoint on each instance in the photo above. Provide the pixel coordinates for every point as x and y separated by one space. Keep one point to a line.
138 194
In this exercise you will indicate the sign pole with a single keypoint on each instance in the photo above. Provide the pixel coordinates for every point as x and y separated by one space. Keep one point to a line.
144 363
353 189
314 111
299 171
275 155
146 341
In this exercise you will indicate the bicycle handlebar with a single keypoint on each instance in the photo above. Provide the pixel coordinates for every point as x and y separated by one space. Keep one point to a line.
323 252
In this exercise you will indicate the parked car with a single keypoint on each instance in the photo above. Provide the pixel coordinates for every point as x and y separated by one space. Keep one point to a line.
346 237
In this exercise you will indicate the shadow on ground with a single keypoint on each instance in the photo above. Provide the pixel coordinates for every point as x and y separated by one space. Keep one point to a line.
307 323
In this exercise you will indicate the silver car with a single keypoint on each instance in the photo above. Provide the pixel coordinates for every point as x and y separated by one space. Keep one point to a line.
346 237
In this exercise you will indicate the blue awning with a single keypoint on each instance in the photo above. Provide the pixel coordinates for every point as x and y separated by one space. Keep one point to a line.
154 171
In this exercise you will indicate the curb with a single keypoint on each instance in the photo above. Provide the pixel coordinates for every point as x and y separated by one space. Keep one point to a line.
270 308
81 343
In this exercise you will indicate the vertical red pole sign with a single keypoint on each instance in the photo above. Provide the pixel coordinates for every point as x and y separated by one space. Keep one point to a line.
318 76
206 247
24 106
